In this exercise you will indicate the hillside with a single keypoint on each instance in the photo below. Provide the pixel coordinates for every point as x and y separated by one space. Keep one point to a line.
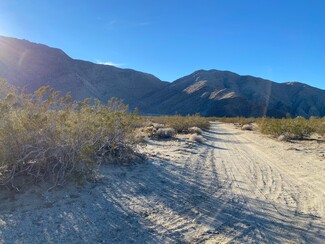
208 92
24 63
223 93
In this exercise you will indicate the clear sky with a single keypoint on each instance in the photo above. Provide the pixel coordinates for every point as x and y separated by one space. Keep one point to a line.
281 40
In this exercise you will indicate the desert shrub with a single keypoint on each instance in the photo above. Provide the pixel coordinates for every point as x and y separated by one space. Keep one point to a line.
196 130
158 126
318 125
297 128
283 129
197 138
247 127
45 136
237 120
181 123
321 127
140 136
165 133
151 129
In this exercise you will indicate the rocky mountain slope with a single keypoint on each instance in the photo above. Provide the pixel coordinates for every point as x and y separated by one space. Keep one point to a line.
210 93
223 93
24 63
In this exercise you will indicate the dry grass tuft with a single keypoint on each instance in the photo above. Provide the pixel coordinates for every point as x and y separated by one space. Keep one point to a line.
247 127
197 138
196 130
181 124
165 133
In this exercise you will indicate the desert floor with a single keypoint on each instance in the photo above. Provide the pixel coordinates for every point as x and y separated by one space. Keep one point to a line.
238 186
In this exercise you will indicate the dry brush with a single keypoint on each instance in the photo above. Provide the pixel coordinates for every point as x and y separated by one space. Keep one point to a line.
48 137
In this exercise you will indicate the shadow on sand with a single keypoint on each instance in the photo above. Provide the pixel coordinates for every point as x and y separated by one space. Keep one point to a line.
150 203
153 202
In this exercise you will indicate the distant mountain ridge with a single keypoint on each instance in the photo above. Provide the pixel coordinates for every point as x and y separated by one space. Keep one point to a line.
24 63
208 92
223 93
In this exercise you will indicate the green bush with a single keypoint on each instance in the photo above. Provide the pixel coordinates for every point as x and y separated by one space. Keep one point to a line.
298 128
318 125
292 128
46 136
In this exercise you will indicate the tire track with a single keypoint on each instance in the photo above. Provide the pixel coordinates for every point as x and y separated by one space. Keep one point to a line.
258 177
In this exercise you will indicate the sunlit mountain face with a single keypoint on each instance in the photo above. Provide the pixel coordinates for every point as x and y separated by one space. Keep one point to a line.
224 93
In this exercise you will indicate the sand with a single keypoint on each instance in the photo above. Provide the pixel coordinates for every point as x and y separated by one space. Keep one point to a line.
237 186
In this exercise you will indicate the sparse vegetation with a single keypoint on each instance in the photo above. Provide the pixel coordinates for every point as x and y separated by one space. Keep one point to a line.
318 125
165 133
168 126
237 120
247 127
298 128
45 136
284 129
181 124
195 130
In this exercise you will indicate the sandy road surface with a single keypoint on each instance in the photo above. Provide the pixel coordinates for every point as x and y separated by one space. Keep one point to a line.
237 187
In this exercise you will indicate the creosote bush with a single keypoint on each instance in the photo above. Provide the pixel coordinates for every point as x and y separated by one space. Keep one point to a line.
298 128
181 124
237 120
318 125
284 129
45 136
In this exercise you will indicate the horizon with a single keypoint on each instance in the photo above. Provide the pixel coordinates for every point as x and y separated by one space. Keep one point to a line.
270 41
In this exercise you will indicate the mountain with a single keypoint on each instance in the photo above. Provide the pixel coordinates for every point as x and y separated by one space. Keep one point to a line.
24 63
208 92
223 93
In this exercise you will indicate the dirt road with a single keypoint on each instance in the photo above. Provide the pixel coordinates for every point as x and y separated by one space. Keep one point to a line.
244 187
238 187
270 194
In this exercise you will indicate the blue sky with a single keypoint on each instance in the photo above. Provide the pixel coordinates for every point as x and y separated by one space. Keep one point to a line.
281 40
